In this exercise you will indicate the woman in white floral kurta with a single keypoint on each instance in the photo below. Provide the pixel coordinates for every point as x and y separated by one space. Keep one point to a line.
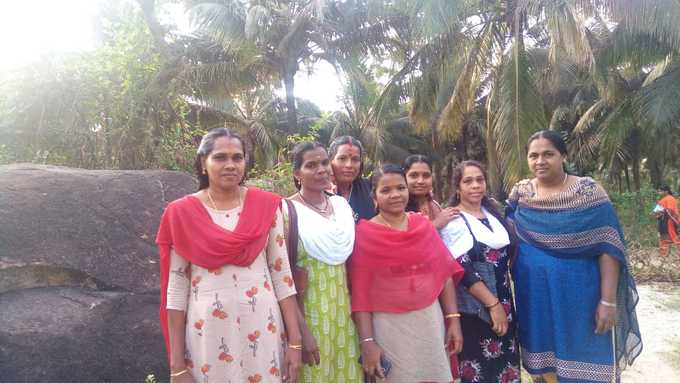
233 317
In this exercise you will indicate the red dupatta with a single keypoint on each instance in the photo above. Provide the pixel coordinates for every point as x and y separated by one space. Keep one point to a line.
395 271
187 227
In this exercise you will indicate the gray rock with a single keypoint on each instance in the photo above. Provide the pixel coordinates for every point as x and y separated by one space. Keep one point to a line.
65 334
79 273
100 222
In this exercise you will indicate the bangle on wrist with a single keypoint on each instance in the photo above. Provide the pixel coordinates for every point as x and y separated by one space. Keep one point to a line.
452 315
607 304
178 373
494 304
369 339
295 347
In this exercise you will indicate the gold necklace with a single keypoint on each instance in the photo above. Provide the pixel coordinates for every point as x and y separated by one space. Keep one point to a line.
212 201
323 210
564 181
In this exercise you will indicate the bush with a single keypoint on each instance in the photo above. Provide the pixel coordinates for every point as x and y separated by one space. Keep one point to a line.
277 179
635 213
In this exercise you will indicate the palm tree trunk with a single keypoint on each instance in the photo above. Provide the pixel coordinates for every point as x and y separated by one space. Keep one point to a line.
656 169
636 174
291 113
494 172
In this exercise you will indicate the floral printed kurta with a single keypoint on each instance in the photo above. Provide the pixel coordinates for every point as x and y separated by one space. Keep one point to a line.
234 330
487 357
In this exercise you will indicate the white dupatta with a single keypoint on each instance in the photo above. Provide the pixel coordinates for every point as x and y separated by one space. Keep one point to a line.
330 241
458 239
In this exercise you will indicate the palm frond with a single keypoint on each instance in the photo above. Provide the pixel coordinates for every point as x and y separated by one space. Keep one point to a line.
462 100
224 22
614 133
658 101
256 19
516 112
657 18
584 140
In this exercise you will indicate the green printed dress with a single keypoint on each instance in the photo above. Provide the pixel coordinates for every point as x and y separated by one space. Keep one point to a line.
326 300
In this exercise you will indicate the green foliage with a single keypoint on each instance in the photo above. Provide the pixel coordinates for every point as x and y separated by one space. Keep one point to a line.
6 156
456 81
92 109
635 214
279 178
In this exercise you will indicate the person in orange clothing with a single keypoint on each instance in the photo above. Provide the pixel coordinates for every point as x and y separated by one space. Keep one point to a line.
666 213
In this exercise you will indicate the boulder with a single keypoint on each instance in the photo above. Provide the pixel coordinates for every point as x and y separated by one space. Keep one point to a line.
79 273
71 334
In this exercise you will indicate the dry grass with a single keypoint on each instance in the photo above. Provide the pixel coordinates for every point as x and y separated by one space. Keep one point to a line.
648 266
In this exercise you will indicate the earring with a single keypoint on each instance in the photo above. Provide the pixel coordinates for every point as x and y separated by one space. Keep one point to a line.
205 171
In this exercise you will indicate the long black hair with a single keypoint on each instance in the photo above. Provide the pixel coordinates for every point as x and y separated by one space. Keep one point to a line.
206 147
298 155
667 189
408 162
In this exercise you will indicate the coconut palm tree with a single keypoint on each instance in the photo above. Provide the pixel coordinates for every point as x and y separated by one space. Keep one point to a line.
273 35
637 114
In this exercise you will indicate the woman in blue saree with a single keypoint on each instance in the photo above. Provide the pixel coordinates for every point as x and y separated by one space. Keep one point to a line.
574 294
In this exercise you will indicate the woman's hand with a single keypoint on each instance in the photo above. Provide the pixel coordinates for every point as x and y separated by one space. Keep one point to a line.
291 365
454 336
605 319
184 378
310 349
499 319
445 216
371 354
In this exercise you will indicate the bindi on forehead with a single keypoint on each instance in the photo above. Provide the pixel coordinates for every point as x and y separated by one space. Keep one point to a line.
348 148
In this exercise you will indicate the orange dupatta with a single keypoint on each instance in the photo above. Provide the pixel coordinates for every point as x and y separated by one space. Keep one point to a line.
671 205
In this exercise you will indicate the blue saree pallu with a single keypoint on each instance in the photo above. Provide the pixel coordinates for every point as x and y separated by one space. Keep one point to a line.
557 283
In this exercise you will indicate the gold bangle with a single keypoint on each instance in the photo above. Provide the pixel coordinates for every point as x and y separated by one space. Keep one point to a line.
176 374
369 339
452 315
494 305
295 347
607 304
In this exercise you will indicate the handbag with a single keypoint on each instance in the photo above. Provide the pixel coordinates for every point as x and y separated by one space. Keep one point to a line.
300 276
468 304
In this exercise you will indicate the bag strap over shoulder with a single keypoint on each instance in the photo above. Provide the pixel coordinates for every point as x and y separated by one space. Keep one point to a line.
292 240
474 253
474 239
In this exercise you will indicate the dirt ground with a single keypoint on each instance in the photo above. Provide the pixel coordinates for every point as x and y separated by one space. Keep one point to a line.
659 316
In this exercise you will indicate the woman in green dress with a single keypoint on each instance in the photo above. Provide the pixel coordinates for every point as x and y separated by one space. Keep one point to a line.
325 239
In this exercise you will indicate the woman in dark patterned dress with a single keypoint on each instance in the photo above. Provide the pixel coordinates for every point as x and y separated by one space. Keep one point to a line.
480 240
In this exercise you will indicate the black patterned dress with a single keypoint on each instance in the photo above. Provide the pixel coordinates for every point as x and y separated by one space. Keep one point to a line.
487 357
